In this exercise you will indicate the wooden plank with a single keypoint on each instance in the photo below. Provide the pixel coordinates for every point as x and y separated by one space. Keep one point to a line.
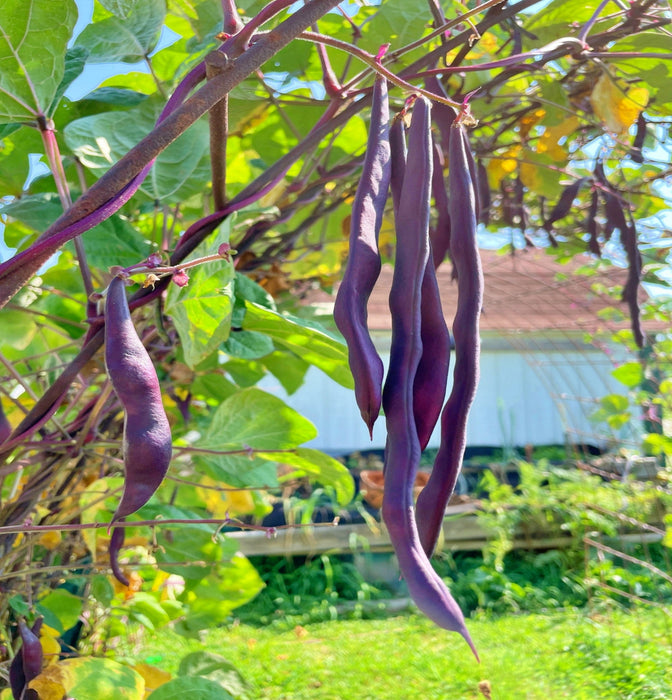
459 534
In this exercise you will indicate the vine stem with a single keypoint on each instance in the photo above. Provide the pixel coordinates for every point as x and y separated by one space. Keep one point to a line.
221 522
56 166
589 24
374 63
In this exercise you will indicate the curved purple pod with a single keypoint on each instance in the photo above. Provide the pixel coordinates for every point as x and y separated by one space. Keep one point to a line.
402 452
27 664
116 543
434 497
147 436
363 267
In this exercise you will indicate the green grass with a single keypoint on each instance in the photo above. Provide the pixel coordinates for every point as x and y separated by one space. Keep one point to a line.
614 655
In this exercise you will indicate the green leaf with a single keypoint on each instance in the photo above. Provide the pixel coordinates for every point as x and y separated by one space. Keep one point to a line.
19 605
252 418
102 590
146 608
561 18
217 669
245 373
319 467
656 444
212 599
128 38
287 368
114 242
190 687
75 60
249 290
239 470
247 345
614 402
119 97
100 140
630 374
307 340
120 8
92 678
15 148
33 39
212 385
202 310
400 22
65 606
187 543
18 329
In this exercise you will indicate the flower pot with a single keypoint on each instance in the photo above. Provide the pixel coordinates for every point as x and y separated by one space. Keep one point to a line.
371 486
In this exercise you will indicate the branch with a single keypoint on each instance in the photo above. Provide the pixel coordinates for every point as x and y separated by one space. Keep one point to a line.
15 273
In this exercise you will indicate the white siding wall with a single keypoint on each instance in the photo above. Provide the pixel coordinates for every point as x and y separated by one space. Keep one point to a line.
534 397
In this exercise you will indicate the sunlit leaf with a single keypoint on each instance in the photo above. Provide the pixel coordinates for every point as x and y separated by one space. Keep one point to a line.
253 418
33 38
617 106
202 309
128 36
311 344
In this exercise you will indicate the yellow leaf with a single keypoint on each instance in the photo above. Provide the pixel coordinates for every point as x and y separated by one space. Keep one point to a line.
223 504
46 688
502 165
51 684
526 122
489 43
154 677
50 646
50 540
529 176
617 106
549 141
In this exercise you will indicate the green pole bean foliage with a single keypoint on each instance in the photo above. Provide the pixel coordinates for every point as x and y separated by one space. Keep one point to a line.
214 174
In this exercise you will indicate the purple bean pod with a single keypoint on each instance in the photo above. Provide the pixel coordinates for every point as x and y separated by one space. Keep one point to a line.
402 452
116 543
439 234
431 377
27 664
363 267
398 154
147 436
5 425
434 497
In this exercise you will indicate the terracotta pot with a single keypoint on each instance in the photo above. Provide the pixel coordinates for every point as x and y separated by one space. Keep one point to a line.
372 486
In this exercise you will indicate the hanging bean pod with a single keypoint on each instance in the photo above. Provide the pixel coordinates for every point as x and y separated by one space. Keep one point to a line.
27 664
363 267
434 497
147 436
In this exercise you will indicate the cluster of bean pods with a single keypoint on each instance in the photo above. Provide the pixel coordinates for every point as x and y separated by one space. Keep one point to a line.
414 390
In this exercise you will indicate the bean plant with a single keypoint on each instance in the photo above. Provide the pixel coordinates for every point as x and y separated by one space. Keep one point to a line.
159 230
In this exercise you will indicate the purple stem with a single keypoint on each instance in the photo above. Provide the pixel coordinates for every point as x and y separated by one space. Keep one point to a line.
589 24
232 23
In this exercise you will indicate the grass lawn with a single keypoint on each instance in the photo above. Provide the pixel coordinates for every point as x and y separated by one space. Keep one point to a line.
560 655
